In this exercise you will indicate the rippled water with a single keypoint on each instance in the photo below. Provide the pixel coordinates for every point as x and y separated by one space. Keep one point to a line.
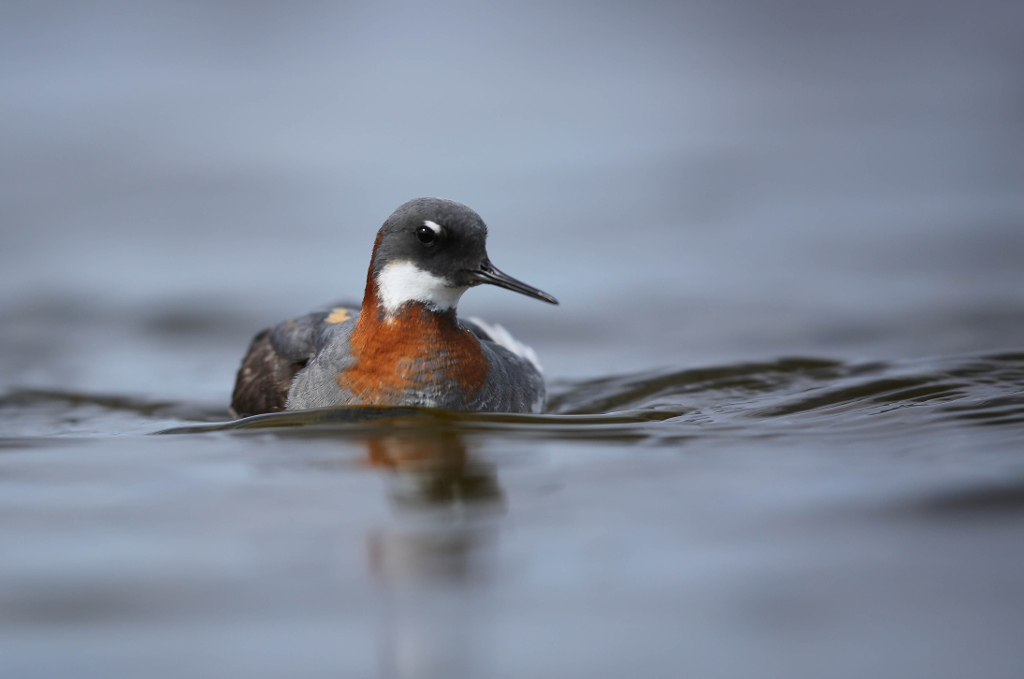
788 513
786 428
794 396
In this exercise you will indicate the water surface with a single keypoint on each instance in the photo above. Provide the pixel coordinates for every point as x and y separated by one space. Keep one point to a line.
782 514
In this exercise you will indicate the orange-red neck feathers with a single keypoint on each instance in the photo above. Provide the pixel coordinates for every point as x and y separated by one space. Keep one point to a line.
416 349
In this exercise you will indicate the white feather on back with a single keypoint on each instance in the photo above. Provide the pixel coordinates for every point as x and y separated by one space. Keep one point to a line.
504 338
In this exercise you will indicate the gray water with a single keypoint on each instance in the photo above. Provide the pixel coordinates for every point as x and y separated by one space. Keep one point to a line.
787 418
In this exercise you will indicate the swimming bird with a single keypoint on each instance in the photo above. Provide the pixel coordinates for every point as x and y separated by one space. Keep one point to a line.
404 345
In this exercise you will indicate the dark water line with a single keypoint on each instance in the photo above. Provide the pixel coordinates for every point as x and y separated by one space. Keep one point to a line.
356 418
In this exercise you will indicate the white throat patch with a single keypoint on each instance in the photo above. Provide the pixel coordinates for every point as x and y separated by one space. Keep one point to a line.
402 281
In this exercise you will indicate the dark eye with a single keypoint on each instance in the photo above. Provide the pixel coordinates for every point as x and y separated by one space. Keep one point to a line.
426 235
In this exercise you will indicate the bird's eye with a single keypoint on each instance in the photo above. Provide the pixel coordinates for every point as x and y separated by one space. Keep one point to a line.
426 235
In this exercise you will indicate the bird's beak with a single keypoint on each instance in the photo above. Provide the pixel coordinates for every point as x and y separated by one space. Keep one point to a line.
487 273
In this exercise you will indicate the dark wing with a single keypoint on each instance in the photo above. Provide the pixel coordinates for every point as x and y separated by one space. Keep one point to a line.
263 380
275 356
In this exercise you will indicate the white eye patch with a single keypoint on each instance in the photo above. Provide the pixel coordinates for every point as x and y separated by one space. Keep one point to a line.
402 281
433 226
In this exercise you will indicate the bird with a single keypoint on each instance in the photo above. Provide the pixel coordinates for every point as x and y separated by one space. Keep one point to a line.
404 345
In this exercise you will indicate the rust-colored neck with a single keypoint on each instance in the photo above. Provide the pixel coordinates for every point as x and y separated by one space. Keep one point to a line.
416 349
371 306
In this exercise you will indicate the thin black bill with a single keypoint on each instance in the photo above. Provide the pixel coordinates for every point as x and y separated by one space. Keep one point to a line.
487 273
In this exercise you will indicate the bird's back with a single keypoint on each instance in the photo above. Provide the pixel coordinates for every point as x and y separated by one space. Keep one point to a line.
276 355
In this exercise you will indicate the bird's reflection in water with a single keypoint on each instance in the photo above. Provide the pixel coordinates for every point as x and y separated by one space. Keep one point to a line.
432 564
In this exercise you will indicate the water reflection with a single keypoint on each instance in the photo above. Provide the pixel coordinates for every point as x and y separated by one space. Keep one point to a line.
432 562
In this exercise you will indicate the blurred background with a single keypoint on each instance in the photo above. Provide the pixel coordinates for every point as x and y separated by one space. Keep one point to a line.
695 181
701 183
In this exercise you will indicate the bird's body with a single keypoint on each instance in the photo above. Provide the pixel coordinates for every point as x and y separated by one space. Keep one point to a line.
404 345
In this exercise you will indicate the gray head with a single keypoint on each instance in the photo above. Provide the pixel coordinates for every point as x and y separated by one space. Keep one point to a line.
432 250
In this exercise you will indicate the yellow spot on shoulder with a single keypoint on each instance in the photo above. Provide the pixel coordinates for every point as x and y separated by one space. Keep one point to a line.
338 315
